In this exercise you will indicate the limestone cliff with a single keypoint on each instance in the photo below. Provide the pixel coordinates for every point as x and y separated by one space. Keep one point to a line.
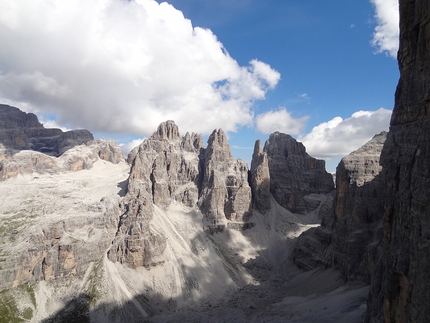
400 289
292 174
225 192
23 131
164 169
351 223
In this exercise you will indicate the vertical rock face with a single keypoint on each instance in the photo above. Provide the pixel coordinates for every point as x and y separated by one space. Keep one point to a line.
400 289
167 166
293 173
225 192
349 229
164 168
260 179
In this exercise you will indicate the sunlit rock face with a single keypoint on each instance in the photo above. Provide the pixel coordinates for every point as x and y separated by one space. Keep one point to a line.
350 230
164 169
225 192
400 287
293 174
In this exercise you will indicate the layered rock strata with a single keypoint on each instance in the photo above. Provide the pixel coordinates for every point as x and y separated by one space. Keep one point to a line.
164 169
400 289
225 192
167 168
292 174
350 230
23 131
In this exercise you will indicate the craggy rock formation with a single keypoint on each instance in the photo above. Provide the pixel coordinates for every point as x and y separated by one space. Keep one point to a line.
225 192
350 231
260 179
23 131
293 174
53 254
164 168
400 289
167 166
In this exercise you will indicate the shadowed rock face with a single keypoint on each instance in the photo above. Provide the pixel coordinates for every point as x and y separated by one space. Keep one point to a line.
400 289
350 231
23 131
293 174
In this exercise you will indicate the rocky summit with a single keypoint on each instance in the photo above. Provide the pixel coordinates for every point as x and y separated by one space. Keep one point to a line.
179 231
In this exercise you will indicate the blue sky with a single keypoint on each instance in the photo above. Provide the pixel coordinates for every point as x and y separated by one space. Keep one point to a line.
325 72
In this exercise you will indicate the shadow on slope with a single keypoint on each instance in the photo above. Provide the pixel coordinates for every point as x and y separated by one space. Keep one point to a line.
238 276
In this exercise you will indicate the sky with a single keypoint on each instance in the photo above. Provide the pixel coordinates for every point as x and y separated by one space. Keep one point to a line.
323 72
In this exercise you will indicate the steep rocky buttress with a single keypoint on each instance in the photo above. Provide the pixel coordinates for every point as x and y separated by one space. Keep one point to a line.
291 173
400 289
350 230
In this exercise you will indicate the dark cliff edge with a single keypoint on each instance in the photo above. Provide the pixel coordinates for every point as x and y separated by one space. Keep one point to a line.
351 229
23 131
400 288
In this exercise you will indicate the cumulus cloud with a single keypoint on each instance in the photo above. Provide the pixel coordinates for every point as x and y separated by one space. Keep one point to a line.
127 147
386 35
117 66
280 120
339 137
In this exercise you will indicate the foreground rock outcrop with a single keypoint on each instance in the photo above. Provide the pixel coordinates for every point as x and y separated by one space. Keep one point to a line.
400 289
351 229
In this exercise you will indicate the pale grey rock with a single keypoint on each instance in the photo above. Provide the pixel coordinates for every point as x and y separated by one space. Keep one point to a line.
76 159
164 169
135 244
167 166
225 192
50 251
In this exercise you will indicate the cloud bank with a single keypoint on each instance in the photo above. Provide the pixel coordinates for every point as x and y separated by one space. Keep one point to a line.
280 120
117 66
386 35
339 137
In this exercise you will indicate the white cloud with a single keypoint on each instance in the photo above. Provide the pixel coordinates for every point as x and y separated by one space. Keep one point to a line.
123 66
339 137
49 123
127 147
386 36
280 120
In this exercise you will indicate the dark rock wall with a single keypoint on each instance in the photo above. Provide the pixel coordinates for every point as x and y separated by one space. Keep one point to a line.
23 131
291 172
400 289
350 230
